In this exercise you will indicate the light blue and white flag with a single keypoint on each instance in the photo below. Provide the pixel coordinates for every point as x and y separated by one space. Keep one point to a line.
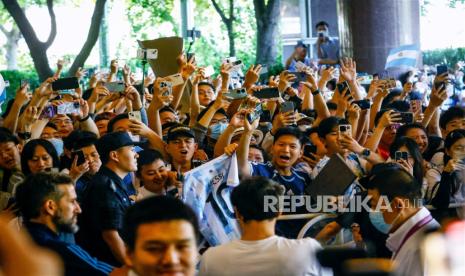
3 85
403 56
207 190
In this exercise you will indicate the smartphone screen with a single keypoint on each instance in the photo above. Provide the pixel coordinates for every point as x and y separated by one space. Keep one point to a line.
65 84
267 93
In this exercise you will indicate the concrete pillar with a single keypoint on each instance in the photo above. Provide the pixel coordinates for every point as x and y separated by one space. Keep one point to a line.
368 29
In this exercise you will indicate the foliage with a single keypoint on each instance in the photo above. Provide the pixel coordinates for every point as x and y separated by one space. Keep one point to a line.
15 77
448 56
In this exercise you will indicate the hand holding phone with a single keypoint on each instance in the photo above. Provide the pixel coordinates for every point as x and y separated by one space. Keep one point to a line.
135 115
309 150
81 159
401 155
345 129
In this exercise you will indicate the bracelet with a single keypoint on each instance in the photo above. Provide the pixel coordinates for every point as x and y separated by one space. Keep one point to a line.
316 92
84 119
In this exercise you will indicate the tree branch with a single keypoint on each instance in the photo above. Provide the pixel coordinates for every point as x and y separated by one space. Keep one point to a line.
92 37
53 24
231 10
220 12
259 7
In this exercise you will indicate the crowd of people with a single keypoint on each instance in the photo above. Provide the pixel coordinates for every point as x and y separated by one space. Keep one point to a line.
100 181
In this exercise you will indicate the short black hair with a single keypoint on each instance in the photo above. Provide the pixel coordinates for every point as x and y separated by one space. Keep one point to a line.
327 125
28 153
249 198
146 157
395 92
155 209
292 131
403 129
51 125
207 83
167 109
450 114
104 116
115 119
321 23
7 136
391 180
36 189
266 158
86 139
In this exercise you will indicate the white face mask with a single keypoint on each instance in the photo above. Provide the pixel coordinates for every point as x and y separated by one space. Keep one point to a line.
323 33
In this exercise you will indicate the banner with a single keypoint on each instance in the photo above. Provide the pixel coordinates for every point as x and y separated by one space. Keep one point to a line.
403 56
207 190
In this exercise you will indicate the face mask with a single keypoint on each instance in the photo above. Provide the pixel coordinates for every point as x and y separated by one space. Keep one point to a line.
323 33
378 222
57 144
217 129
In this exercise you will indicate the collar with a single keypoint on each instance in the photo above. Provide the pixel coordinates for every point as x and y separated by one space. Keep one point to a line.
108 172
40 232
393 242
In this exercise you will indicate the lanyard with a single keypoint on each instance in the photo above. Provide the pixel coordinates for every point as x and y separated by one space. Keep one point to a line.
412 231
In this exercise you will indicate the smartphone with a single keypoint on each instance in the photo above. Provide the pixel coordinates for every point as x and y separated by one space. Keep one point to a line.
441 69
256 113
175 79
236 94
392 82
363 104
168 85
266 116
287 106
267 93
345 129
48 112
309 150
342 86
135 115
145 54
399 155
116 86
65 84
406 117
209 70
300 77
81 158
68 108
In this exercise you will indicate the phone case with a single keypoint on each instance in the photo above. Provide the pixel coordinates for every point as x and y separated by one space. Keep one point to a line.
135 115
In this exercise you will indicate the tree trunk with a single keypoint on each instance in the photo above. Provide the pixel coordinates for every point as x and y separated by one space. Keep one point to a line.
92 37
103 39
229 22
267 18
12 38
37 48
232 47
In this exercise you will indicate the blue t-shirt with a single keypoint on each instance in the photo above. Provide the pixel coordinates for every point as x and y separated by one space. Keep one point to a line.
293 184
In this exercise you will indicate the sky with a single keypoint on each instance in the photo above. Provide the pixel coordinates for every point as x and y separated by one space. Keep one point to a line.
443 27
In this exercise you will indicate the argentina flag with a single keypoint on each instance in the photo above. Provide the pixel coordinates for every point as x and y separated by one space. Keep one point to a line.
403 56
207 190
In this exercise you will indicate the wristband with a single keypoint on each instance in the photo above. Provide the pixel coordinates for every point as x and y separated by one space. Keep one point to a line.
316 92
84 119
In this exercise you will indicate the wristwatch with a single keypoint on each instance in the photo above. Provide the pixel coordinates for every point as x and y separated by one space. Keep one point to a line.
366 153
316 92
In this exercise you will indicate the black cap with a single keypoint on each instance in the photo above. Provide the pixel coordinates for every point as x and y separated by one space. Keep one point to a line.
113 141
300 43
180 130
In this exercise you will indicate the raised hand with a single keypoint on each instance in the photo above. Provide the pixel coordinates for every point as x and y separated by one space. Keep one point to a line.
187 68
114 66
348 69
252 75
284 80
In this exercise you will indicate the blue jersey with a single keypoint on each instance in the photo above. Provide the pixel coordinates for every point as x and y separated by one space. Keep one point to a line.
294 184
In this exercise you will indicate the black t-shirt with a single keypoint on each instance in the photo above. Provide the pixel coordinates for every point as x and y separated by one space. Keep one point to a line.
374 240
102 209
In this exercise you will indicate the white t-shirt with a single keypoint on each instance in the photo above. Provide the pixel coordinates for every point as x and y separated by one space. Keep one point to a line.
271 256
